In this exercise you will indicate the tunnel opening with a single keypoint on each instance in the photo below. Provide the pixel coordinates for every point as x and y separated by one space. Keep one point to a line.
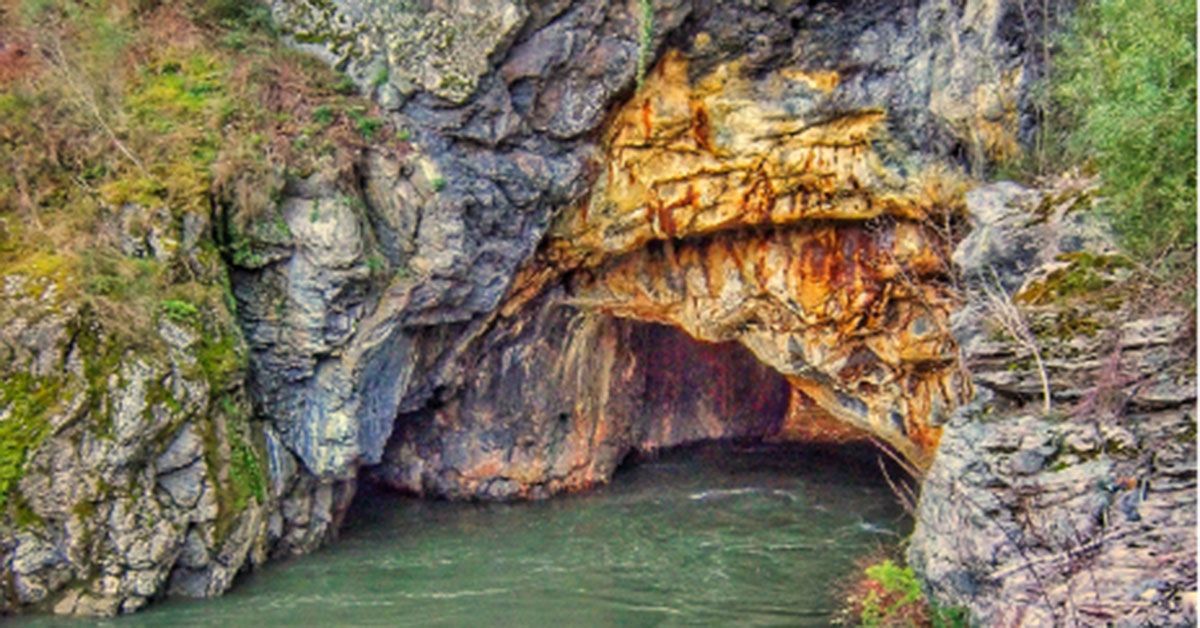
599 466
580 393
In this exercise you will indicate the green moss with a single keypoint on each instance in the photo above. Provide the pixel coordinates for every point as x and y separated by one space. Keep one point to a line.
43 269
380 78
1085 276
221 358
84 510
27 401
246 473
232 462
23 514
645 40
134 287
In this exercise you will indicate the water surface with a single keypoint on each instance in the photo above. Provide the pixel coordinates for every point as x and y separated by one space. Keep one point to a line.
717 534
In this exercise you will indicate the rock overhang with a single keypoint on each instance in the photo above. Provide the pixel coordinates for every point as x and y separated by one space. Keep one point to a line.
734 209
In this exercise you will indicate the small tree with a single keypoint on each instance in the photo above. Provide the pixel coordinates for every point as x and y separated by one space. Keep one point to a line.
1126 84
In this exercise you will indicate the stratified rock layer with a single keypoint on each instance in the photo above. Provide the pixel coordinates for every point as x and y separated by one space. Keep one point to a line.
1086 515
752 209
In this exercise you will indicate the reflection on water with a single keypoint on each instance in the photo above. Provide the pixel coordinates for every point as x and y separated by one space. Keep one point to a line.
717 534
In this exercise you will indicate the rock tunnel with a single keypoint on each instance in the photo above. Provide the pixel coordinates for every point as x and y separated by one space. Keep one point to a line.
736 271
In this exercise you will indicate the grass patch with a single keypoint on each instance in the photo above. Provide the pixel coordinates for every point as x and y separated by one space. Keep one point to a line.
179 311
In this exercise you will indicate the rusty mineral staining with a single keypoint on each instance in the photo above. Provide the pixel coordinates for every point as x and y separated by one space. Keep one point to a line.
722 213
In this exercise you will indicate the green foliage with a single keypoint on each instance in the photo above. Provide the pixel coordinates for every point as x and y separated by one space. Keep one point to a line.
323 115
242 250
131 281
367 126
179 311
380 78
438 183
893 597
376 264
345 86
1126 83
238 14
897 588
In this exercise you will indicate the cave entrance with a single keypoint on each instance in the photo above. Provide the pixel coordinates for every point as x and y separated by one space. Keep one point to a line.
559 406
724 493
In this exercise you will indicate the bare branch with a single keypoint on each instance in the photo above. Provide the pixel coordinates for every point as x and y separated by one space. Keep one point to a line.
1010 318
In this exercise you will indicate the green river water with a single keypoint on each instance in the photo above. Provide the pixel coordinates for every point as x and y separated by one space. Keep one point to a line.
710 535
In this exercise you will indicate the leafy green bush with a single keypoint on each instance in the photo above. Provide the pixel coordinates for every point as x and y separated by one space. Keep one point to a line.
1126 85
179 311
889 594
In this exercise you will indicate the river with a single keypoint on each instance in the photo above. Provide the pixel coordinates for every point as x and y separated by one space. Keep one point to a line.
714 534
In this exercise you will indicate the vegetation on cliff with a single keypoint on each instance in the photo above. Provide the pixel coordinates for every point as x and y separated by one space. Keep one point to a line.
889 594
1118 105
142 142
1119 100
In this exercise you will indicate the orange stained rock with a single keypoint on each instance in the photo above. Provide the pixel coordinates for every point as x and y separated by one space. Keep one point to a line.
823 81
687 158
842 310
722 212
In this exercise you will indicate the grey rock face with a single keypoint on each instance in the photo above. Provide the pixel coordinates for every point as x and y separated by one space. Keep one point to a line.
337 355
1062 525
131 450
1085 516
336 352
1016 231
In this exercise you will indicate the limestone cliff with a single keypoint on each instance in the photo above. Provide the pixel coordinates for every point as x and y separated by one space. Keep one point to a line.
586 194
1085 514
